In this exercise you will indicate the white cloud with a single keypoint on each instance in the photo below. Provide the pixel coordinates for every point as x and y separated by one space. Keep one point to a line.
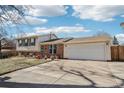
51 10
34 20
61 29
98 13
120 38
65 29
122 15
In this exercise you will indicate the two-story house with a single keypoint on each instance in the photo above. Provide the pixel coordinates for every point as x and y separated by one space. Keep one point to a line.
30 45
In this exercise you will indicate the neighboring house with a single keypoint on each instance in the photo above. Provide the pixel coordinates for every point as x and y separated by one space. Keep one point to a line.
53 47
30 45
93 48
7 48
8 44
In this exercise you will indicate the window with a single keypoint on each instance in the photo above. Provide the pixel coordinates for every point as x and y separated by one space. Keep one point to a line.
54 49
23 42
26 42
20 43
33 40
42 48
50 49
29 42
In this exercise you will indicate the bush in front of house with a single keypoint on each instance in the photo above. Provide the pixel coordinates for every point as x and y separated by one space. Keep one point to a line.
4 55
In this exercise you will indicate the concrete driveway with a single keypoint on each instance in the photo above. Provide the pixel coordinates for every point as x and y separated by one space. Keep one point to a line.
67 73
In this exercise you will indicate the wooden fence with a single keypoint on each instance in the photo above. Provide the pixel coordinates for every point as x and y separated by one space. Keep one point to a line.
117 53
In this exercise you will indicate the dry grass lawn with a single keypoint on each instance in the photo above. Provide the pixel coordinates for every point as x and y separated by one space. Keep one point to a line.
15 63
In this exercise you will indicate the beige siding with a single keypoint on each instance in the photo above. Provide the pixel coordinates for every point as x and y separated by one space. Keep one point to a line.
28 48
37 46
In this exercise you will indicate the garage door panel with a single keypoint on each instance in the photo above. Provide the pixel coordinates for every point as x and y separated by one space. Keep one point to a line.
94 51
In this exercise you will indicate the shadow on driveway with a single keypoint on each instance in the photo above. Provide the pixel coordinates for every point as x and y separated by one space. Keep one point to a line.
8 84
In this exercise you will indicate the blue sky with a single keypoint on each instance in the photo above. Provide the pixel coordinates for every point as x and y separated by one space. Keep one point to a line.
72 21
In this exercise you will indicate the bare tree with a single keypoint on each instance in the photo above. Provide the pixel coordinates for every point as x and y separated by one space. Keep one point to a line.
9 14
115 41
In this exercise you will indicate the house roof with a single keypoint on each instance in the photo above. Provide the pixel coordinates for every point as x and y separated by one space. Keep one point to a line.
55 41
89 39
34 36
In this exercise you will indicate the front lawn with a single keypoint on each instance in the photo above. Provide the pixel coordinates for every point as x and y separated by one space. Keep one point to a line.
15 63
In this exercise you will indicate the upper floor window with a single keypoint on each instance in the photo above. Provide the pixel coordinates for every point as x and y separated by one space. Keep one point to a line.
32 42
20 42
27 42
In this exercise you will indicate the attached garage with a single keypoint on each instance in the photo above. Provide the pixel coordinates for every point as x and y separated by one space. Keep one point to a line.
92 48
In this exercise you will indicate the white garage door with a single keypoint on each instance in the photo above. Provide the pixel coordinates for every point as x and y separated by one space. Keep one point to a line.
93 51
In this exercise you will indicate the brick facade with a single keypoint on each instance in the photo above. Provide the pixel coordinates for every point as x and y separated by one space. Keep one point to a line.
59 51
